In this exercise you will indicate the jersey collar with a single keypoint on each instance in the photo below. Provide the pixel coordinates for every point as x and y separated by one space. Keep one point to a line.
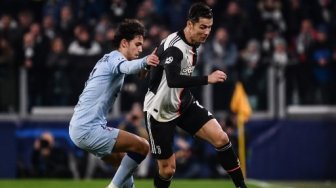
180 33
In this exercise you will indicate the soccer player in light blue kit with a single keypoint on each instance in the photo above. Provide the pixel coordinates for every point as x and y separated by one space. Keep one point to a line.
88 128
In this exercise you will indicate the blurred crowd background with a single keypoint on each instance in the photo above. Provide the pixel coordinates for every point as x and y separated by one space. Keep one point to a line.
282 51
57 42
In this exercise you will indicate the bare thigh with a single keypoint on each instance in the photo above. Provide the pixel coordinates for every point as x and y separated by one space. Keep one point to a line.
128 142
213 133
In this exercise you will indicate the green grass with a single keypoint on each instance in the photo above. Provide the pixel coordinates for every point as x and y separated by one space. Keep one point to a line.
37 183
306 184
195 183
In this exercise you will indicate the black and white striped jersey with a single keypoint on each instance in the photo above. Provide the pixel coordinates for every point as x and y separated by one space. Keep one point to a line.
168 94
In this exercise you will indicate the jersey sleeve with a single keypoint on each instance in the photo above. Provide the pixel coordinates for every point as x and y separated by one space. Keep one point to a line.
132 67
172 65
120 65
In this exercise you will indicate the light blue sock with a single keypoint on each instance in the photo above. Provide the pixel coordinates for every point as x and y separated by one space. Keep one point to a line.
129 183
124 172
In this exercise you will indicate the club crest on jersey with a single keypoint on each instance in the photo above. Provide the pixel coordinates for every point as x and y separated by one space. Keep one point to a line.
169 60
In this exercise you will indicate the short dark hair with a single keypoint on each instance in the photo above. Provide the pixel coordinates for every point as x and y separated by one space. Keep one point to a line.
199 10
128 29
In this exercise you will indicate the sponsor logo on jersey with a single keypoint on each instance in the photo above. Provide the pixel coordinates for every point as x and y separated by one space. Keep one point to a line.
189 61
169 60
187 71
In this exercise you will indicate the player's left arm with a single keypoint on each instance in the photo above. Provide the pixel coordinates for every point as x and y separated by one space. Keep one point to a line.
134 66
131 67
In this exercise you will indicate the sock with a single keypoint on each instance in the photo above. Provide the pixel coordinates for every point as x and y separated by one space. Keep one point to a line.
111 186
126 169
129 183
136 157
230 162
160 182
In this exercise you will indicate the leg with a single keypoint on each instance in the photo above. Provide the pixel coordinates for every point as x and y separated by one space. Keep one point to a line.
136 149
214 134
167 169
199 122
114 159
129 183
161 136
128 142
143 168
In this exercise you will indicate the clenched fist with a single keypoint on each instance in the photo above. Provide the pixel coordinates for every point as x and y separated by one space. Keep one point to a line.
217 76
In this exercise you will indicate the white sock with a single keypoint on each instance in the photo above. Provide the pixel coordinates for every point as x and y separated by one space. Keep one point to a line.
129 183
124 172
111 185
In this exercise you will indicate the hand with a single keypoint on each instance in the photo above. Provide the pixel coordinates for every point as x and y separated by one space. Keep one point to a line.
217 76
153 59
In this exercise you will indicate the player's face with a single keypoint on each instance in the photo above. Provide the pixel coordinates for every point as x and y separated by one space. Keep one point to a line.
134 47
200 30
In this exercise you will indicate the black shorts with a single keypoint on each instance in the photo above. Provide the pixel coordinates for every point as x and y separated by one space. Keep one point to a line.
161 134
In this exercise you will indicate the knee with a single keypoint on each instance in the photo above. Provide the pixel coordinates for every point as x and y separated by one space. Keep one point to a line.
221 140
144 147
167 171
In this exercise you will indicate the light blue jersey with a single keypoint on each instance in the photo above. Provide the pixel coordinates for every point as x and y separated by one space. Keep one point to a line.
100 92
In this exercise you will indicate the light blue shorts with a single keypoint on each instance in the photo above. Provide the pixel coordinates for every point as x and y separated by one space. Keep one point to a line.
98 140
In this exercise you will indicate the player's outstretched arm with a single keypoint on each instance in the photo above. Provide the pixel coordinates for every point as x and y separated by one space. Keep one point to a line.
216 76
134 66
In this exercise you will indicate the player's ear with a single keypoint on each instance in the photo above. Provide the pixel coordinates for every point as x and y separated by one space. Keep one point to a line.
124 43
189 24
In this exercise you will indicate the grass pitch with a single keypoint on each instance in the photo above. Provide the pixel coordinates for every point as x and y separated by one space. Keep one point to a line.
38 183
194 183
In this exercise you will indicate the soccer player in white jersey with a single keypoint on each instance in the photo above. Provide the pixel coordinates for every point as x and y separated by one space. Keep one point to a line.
169 102
88 128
